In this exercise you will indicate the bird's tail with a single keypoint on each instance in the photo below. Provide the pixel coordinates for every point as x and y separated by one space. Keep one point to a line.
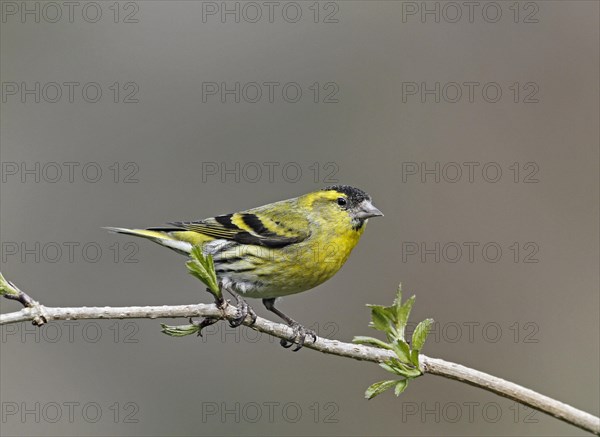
164 237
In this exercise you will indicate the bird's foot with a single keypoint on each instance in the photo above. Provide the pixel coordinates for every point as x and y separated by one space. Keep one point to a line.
243 310
300 334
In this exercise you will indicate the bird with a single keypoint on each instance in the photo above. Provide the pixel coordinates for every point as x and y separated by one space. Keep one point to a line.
275 250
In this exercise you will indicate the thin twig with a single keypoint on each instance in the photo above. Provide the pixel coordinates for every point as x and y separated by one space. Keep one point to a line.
434 366
12 292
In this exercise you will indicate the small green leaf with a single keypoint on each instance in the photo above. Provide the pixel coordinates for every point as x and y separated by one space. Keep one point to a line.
399 368
379 318
179 331
402 350
400 386
414 357
378 388
7 287
403 314
389 368
409 372
398 301
420 334
203 268
370 341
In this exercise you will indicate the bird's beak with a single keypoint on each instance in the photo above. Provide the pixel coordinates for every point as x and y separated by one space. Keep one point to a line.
366 210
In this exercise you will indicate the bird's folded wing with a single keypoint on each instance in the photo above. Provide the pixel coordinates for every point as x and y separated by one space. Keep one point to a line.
258 226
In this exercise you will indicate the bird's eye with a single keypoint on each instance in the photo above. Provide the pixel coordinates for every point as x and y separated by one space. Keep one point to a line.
341 201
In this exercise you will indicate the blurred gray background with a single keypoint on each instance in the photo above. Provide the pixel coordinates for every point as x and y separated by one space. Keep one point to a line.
529 314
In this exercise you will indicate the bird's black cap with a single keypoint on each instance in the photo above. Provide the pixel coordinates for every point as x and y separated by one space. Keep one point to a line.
354 194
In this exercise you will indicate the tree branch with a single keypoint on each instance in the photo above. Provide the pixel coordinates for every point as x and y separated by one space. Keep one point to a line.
40 314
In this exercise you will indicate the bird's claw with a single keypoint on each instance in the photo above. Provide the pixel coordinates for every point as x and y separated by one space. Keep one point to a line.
300 334
243 310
